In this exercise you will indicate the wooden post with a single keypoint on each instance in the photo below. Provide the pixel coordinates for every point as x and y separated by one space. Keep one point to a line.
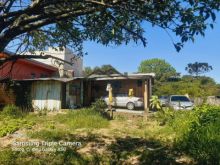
110 101
81 93
145 97
150 87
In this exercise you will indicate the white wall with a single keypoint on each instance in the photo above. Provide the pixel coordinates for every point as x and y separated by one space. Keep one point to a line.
65 69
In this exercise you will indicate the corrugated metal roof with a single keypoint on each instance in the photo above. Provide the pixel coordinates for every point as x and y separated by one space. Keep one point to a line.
98 77
119 76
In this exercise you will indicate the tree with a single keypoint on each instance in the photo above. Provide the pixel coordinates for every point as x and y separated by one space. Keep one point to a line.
200 87
198 68
104 69
87 71
37 24
160 67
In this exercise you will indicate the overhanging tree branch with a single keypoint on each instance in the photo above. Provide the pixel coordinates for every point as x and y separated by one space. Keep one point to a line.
185 18
17 56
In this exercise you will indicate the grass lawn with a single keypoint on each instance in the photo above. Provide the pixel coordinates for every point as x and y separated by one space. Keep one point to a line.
128 139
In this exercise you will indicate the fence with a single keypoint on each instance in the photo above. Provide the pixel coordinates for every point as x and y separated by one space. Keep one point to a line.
212 100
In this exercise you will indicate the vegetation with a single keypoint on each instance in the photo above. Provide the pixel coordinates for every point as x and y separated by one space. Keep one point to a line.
39 24
196 132
160 67
103 70
195 87
198 68
185 137
200 138
155 103
169 82
12 111
99 106
12 119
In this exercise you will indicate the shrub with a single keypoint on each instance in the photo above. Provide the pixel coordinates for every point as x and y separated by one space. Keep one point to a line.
199 134
99 105
155 103
165 115
12 111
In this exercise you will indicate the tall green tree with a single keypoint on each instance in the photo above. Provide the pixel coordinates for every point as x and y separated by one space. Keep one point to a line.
104 69
160 67
198 68
36 24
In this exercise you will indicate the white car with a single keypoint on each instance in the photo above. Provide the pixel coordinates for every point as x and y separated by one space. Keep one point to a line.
123 100
180 102
163 100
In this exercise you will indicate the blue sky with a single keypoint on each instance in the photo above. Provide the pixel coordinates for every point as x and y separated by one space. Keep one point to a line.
126 58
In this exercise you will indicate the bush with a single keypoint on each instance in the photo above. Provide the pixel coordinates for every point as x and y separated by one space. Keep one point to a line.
99 105
165 115
12 111
199 134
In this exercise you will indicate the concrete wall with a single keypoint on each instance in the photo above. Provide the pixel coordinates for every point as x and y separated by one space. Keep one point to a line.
65 70
212 100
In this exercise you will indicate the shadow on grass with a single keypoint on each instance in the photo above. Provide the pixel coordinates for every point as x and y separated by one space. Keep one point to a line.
143 152
126 150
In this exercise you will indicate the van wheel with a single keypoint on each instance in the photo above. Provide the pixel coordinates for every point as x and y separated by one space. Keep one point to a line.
130 106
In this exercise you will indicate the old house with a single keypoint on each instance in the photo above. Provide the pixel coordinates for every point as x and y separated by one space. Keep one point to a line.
45 81
69 93
56 93
48 84
20 70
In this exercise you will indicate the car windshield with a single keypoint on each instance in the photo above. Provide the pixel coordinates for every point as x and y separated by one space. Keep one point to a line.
180 98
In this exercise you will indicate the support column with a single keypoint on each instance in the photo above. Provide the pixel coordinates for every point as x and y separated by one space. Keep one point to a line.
150 87
81 92
146 96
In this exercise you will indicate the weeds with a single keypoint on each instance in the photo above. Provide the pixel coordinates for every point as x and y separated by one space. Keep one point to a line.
12 119
12 111
84 118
